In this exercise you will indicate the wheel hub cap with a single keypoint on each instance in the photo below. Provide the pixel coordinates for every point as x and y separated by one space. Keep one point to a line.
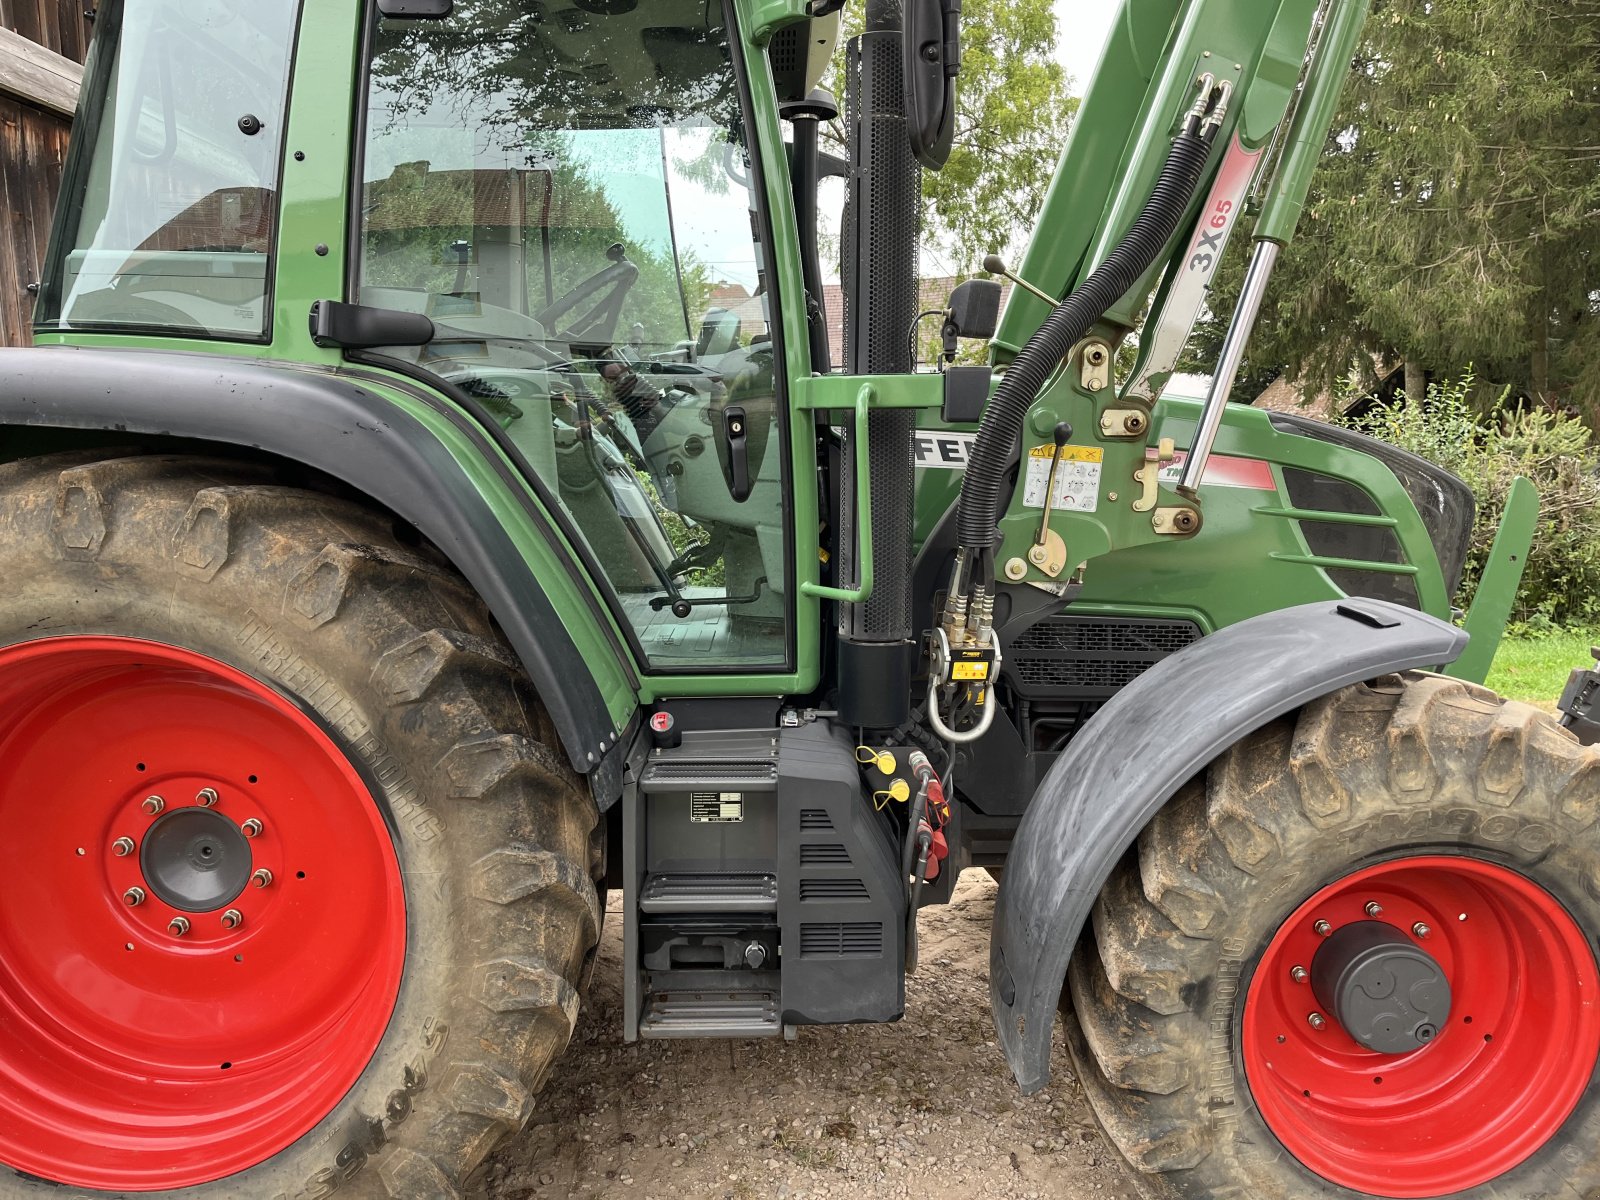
195 860
1386 991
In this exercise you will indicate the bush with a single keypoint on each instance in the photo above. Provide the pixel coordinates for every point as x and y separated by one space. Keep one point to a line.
1561 585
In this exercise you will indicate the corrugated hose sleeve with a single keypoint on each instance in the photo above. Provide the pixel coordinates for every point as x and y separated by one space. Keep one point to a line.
1070 320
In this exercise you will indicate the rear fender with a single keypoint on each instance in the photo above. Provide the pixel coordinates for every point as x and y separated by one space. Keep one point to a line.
1133 756
331 422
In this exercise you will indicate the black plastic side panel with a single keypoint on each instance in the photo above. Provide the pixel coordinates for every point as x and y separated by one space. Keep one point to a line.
1580 703
841 899
1133 756
338 427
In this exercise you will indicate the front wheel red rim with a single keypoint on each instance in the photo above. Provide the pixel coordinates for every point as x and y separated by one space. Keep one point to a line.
1497 1082
204 930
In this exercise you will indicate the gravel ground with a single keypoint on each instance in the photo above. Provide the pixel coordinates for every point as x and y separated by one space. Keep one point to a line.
923 1107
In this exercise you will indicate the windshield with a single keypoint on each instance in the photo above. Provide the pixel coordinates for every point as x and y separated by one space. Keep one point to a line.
570 201
170 204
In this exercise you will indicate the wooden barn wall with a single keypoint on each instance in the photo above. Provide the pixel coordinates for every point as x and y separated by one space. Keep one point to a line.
33 147
58 25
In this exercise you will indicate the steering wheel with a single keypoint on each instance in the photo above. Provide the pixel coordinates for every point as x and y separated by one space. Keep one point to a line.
607 288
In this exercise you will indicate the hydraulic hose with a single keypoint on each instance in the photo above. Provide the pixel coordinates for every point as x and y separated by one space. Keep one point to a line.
1066 325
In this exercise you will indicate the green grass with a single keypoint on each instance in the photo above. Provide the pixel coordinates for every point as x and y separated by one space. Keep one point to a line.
1536 668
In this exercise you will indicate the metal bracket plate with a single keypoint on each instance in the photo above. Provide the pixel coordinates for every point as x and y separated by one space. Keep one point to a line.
1148 475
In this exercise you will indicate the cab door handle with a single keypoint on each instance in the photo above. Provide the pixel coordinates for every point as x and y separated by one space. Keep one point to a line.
736 430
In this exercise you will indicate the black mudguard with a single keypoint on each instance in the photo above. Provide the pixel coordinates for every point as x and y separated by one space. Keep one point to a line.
1133 756
329 421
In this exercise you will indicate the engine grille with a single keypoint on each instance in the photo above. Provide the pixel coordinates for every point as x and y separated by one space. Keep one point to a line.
849 939
1087 658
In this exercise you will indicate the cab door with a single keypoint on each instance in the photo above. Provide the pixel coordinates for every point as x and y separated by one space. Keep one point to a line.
576 205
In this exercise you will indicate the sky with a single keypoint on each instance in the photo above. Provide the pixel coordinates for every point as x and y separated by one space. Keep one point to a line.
1083 28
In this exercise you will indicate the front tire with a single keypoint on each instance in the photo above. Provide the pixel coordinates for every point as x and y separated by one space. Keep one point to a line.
1423 806
401 982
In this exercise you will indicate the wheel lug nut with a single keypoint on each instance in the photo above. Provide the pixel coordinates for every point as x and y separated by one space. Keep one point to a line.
206 797
178 926
1421 929
262 877
133 897
1373 908
122 847
153 804
1323 928
1298 974
232 919
1318 1021
251 828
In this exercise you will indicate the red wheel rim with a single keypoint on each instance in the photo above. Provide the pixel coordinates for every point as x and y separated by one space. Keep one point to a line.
134 1057
1500 1078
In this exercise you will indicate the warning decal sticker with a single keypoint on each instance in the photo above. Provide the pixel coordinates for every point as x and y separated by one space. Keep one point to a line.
1077 478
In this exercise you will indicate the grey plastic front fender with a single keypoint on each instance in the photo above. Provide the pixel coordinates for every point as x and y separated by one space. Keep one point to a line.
1151 738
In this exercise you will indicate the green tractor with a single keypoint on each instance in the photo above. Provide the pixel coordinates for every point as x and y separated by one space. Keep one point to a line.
430 509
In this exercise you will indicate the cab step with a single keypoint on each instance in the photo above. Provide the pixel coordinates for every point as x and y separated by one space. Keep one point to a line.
711 1014
747 892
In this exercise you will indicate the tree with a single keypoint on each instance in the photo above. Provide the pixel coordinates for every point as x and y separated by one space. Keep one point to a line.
1013 111
1455 218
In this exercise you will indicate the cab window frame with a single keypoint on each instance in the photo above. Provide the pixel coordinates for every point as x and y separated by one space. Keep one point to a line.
66 224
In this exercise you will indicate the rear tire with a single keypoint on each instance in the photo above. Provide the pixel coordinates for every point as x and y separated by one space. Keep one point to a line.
1187 1021
394 659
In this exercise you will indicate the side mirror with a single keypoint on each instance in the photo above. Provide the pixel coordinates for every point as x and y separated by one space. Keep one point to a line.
974 311
932 55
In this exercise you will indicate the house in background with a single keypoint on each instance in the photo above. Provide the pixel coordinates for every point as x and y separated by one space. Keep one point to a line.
42 43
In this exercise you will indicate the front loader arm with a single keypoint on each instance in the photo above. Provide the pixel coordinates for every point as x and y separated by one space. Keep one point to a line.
1193 105
1266 76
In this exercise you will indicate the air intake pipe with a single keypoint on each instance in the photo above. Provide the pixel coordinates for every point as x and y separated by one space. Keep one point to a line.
883 208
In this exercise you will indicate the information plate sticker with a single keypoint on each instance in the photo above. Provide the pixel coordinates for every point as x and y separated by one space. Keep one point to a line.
1077 478
716 807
